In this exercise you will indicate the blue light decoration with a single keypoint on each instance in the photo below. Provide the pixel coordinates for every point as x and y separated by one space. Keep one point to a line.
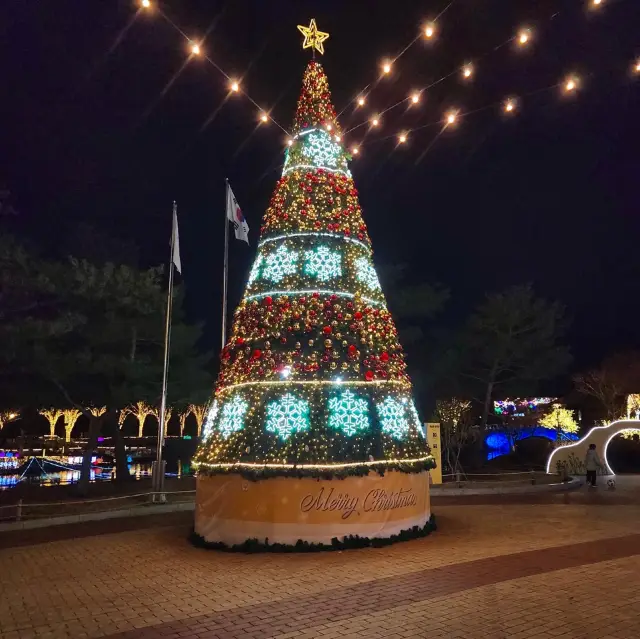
348 413
498 442
367 274
281 262
207 428
392 414
232 419
255 269
323 264
287 415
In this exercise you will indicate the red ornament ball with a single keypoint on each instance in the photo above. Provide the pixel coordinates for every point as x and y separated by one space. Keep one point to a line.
257 354
358 315
268 300
384 356
369 375
327 330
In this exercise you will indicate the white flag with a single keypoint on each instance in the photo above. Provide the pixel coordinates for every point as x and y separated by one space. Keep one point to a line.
176 243
234 215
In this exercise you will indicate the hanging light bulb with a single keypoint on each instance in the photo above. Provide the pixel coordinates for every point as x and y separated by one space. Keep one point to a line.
361 101
195 48
337 138
375 121
264 117
290 142
524 37
429 30
328 127
355 150
595 3
636 66
402 138
415 97
570 84
234 86
467 71
386 67
509 105
146 4
451 117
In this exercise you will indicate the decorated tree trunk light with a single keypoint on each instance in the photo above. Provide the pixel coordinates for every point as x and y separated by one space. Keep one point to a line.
313 383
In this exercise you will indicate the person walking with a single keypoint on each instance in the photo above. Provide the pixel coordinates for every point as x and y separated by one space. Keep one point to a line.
592 463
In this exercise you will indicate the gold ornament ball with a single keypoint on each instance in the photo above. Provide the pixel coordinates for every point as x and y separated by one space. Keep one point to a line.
333 366
345 343
311 342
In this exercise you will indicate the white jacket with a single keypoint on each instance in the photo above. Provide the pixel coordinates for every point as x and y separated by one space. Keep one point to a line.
591 460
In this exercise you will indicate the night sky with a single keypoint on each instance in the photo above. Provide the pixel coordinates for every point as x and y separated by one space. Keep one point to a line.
550 196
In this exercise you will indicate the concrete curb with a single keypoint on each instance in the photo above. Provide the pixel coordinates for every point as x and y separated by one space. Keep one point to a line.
138 511
573 484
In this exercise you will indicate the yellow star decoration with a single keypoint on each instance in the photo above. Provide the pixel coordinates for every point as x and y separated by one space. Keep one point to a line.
313 38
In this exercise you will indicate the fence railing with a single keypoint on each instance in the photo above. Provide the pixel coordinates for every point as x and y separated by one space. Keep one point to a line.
21 511
527 477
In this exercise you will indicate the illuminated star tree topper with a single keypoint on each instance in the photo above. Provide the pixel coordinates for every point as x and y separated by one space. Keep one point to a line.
313 39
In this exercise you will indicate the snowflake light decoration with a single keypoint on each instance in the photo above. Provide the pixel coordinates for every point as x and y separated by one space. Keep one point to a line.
367 274
255 269
280 263
392 417
323 263
348 413
287 415
416 418
321 150
232 419
207 429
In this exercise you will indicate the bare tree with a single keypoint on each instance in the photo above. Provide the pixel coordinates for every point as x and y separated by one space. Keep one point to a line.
456 427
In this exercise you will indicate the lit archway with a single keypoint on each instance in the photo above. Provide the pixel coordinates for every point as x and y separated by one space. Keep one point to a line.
572 455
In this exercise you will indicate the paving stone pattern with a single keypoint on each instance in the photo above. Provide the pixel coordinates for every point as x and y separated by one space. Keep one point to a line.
513 570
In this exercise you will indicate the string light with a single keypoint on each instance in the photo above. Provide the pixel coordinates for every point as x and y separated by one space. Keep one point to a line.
146 4
361 101
195 48
337 138
402 138
451 117
467 71
571 84
329 127
429 30
596 3
636 66
264 117
509 105
524 36
375 121
290 142
386 67
234 86
415 97
355 150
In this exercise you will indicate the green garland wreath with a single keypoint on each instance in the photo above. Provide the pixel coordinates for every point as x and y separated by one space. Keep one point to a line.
348 543
261 472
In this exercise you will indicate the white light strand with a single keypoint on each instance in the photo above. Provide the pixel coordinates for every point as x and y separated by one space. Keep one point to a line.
314 466
315 234
294 293
315 382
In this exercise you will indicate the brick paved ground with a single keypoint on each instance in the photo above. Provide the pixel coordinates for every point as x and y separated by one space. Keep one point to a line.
554 569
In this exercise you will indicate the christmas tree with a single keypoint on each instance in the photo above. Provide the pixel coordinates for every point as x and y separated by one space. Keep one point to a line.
313 378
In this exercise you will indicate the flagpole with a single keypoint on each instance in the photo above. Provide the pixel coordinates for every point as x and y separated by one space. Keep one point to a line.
225 276
158 475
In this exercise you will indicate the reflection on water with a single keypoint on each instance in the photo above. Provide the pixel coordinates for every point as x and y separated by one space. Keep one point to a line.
64 477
